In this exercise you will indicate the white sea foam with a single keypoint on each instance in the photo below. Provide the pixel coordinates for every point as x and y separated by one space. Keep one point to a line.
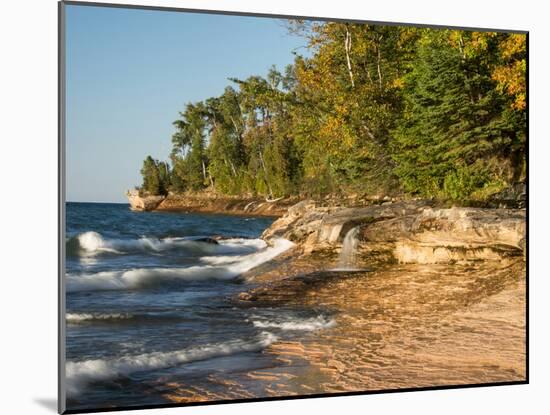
304 324
92 243
146 277
243 242
80 317
80 373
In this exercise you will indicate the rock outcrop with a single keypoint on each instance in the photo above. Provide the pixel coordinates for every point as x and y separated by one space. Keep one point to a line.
407 231
209 202
205 202
435 280
143 203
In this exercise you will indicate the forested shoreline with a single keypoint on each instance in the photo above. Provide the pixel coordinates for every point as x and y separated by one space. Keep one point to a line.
434 113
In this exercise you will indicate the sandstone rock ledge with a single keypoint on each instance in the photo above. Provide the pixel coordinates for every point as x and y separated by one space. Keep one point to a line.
143 203
406 232
209 202
438 299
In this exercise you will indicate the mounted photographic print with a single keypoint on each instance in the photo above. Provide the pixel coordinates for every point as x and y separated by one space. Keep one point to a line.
261 207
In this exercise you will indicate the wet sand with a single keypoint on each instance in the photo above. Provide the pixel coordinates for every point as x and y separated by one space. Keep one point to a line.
397 326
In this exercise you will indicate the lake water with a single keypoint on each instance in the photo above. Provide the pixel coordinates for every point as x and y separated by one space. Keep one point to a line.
148 302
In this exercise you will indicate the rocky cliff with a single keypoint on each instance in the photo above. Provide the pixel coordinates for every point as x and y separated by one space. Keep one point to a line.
143 203
207 202
406 232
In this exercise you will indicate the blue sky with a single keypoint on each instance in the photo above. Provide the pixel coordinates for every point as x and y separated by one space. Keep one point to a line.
129 73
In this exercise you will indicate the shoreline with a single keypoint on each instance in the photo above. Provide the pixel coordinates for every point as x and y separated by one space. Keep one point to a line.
438 299
217 212
440 302
211 204
396 326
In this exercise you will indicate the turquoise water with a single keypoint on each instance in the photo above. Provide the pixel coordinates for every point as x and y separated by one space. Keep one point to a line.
148 302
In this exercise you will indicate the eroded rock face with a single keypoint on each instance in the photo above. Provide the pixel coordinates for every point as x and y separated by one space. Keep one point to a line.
407 232
208 202
447 235
143 203
317 228
296 223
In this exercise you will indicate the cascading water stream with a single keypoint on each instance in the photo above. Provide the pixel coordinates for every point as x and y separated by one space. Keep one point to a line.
349 250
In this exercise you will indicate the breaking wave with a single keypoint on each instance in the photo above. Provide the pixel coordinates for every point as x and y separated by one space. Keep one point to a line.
224 268
78 374
123 317
82 317
92 243
302 324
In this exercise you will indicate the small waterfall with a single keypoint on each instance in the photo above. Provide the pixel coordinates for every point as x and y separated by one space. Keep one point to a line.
349 250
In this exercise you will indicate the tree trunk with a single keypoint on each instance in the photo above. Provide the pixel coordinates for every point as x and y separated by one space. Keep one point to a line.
235 125
366 65
461 48
265 174
347 47
369 132
233 168
378 59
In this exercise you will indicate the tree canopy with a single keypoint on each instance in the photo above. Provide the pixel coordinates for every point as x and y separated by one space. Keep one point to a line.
429 112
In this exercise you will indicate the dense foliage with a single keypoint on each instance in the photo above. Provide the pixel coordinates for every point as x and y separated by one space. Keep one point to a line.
435 113
156 176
